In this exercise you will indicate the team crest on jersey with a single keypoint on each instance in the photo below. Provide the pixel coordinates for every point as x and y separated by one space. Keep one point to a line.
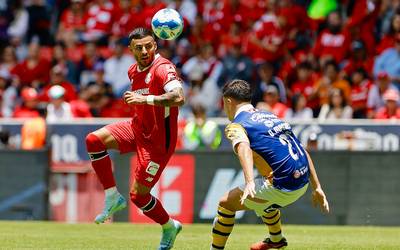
148 78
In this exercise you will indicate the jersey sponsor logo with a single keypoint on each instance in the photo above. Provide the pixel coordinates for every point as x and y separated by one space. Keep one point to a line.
152 168
148 78
284 126
296 174
143 91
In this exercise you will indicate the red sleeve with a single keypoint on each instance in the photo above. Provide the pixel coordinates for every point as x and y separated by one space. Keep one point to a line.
165 73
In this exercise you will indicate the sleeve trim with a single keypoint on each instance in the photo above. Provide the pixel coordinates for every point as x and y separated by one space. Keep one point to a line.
169 86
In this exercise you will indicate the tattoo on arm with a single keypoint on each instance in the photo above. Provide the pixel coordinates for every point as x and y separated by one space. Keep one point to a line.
174 97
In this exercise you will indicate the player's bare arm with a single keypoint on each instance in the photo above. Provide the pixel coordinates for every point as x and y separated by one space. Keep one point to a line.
175 97
318 195
245 156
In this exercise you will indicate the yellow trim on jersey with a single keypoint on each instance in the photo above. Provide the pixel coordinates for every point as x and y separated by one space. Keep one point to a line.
262 166
236 133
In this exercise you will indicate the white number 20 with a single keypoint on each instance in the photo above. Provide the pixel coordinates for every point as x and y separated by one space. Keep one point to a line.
287 140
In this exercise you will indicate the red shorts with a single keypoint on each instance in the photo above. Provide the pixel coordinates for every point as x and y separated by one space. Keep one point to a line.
150 164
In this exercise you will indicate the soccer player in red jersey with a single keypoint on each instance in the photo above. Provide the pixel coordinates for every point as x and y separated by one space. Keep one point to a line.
152 133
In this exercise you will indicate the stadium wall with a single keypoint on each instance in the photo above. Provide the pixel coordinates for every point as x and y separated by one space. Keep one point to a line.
24 184
362 188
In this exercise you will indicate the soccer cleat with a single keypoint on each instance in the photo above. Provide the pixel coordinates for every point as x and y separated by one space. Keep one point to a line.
268 244
169 235
113 203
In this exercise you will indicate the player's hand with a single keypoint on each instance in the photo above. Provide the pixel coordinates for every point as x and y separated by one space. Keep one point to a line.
131 97
319 199
249 190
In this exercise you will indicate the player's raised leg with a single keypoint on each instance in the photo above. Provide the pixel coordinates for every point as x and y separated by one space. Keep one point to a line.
97 144
152 208
225 219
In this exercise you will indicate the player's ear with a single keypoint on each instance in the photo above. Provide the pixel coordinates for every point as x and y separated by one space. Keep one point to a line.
155 45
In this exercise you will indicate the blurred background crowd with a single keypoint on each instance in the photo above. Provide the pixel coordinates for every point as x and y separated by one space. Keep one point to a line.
322 59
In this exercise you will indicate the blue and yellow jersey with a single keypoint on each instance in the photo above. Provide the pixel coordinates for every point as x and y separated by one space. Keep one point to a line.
277 152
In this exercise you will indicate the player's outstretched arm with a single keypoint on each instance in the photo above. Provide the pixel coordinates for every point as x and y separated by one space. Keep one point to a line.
318 195
175 97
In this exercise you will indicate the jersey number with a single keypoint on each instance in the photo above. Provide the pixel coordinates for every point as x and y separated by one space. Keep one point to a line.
289 141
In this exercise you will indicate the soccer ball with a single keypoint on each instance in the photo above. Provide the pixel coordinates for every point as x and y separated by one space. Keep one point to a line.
167 24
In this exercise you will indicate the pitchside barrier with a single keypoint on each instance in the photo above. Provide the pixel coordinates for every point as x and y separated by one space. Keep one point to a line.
24 184
362 188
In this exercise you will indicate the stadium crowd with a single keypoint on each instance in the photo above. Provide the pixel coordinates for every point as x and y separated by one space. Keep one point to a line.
325 59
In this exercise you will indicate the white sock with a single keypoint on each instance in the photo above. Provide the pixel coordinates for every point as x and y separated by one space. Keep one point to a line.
169 224
111 191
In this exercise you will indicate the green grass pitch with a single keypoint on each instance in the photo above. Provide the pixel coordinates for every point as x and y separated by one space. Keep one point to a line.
50 235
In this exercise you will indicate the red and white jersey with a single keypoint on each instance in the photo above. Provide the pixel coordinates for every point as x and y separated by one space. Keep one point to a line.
335 45
359 94
155 125
99 19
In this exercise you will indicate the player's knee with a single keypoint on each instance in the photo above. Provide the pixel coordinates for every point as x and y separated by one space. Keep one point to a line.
140 200
223 202
94 143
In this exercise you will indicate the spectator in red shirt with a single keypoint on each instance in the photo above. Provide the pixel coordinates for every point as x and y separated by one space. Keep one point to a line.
297 24
363 20
391 110
305 84
360 86
358 59
271 102
58 74
99 19
227 40
150 7
333 42
72 23
127 18
266 40
28 108
33 71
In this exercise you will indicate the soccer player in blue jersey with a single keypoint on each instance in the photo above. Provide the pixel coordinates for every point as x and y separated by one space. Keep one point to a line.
286 169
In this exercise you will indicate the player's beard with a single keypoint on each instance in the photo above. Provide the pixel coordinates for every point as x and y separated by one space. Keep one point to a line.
146 61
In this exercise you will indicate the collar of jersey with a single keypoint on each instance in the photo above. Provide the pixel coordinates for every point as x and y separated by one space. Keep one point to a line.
243 108
156 56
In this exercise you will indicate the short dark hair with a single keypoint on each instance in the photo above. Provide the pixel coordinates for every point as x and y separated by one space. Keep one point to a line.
237 89
331 63
139 33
